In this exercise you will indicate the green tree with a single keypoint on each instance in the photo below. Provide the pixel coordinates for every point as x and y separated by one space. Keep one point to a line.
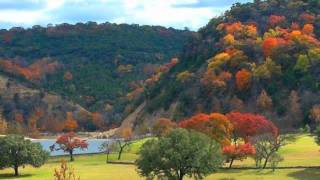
317 132
16 151
267 147
181 153
303 63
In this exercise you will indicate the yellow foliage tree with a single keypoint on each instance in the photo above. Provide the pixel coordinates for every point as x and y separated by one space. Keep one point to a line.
218 60
184 76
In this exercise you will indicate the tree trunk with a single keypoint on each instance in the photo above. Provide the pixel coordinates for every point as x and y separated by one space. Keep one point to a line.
231 162
71 155
107 158
181 176
16 170
265 162
120 152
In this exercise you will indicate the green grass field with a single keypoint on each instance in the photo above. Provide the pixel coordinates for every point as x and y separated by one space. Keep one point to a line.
303 152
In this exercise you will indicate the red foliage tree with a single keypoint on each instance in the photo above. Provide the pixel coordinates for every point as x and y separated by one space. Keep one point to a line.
247 125
243 78
68 143
307 18
215 125
238 152
275 20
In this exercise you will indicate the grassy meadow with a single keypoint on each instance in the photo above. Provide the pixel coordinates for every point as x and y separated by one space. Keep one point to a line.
303 152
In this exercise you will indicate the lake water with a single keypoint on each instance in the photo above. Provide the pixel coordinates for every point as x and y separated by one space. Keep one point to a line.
93 147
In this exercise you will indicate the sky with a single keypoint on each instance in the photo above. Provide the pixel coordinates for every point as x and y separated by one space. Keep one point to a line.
169 13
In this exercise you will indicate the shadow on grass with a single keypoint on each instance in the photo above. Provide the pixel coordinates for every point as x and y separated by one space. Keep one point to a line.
308 174
12 176
250 171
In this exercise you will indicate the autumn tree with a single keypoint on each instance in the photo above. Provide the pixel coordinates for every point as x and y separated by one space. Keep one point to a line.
65 172
218 60
215 125
53 124
268 69
32 123
97 120
3 126
236 104
269 44
124 139
276 20
308 29
68 143
264 101
243 78
238 152
218 81
163 126
247 125
315 113
184 76
307 17
70 124
229 39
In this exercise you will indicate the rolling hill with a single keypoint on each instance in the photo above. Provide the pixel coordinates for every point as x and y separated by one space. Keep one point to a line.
261 57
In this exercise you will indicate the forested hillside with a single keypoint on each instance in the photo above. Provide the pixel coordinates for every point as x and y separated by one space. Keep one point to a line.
100 66
261 57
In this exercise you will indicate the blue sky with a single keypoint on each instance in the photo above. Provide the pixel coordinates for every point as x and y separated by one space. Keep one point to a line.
170 13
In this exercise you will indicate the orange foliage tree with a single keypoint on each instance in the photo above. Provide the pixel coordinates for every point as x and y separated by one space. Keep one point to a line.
33 72
315 113
215 125
70 124
229 39
243 78
269 44
3 126
308 29
211 79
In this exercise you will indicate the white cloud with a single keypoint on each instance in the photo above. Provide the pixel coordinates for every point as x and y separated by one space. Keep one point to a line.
174 13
